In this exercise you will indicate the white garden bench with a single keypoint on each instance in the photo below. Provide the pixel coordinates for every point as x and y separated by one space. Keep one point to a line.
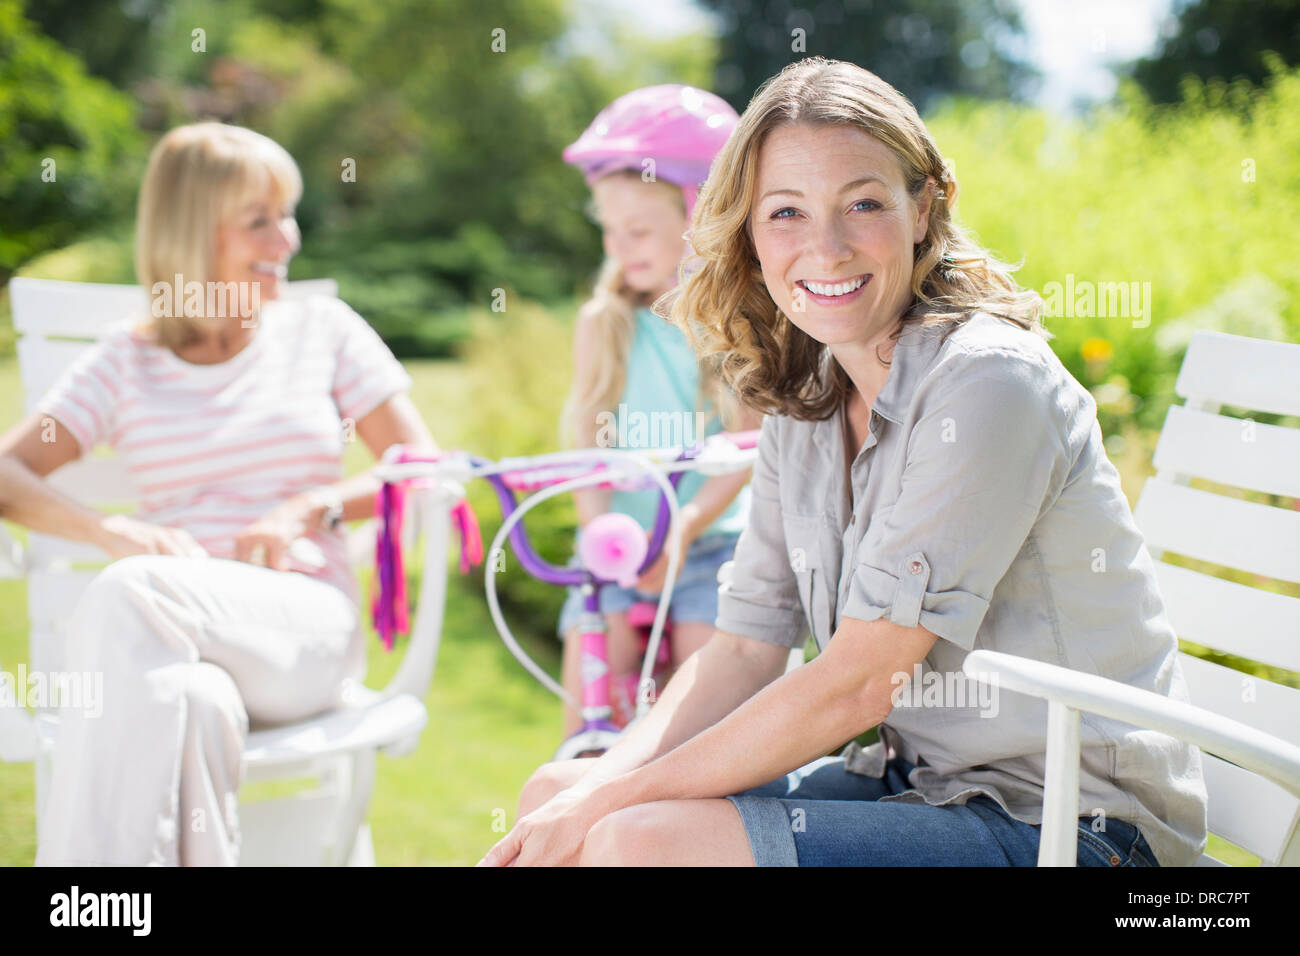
324 824
1247 728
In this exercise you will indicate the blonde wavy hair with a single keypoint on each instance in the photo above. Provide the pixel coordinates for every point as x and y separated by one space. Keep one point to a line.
198 177
724 305
611 310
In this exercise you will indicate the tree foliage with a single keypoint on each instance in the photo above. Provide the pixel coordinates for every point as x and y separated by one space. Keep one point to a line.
429 132
1221 39
69 144
925 48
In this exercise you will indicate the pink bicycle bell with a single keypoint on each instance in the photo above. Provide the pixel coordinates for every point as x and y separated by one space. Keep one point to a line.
612 546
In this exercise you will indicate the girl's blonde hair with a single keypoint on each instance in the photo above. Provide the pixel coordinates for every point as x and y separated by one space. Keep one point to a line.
198 177
611 315
724 305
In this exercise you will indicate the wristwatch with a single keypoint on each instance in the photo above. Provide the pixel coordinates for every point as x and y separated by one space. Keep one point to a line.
332 515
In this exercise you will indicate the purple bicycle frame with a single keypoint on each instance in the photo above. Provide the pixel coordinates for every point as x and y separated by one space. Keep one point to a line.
598 730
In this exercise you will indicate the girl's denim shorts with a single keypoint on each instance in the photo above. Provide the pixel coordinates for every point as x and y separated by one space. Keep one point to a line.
824 815
695 595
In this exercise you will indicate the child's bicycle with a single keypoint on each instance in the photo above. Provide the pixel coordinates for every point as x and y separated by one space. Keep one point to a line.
612 550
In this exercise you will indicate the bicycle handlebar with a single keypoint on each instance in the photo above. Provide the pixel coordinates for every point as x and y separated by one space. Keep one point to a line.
550 475
719 454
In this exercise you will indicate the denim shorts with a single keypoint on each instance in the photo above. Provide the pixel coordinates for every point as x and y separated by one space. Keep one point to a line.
695 594
824 815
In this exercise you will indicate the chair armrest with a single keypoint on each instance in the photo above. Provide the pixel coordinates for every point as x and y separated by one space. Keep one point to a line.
1068 692
18 739
433 506
1232 740
12 560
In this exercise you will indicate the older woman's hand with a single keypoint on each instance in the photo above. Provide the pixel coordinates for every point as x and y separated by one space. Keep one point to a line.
552 835
267 540
123 537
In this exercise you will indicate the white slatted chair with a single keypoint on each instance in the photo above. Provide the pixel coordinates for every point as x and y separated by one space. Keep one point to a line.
323 825
1247 728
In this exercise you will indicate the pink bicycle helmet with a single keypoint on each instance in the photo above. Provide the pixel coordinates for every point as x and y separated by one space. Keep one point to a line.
680 127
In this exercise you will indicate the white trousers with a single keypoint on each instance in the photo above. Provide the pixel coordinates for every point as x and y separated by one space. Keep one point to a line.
191 650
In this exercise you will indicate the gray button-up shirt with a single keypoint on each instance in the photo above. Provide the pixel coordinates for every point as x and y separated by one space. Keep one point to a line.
983 508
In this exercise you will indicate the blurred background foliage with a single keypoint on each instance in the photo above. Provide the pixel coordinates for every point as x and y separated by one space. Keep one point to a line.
1220 38
55 116
929 49
459 189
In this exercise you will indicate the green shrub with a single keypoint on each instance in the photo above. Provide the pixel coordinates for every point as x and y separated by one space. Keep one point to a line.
69 143
517 367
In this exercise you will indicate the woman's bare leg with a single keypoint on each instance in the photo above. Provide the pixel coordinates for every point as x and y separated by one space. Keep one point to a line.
670 833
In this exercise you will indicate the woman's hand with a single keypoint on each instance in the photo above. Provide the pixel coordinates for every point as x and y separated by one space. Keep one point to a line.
122 537
266 541
552 835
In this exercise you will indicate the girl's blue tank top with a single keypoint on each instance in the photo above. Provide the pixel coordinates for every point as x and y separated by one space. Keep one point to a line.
658 409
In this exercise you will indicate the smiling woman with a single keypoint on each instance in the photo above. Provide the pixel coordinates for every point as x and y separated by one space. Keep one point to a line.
244 233
850 189
930 480
853 221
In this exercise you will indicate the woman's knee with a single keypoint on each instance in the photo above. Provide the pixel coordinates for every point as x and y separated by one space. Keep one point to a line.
214 703
632 836
669 833
112 610
549 779
120 582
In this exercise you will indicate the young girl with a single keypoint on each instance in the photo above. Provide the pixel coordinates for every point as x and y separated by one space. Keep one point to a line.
644 157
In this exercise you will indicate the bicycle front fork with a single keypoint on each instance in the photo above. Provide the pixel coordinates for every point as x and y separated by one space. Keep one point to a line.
598 731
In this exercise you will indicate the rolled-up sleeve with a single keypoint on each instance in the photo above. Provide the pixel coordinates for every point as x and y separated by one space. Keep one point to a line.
761 600
987 452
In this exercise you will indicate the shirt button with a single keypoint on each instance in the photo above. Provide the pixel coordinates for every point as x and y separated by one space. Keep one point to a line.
915 567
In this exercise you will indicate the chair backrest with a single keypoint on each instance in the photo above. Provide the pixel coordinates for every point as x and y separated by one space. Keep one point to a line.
1246 610
56 322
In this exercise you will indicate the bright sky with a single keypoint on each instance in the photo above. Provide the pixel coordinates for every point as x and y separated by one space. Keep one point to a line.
1070 41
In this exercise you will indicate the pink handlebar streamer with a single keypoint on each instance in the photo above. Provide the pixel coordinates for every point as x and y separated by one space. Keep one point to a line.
389 607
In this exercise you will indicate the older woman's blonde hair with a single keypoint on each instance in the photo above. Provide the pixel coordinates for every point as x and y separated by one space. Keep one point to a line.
610 314
198 177
724 305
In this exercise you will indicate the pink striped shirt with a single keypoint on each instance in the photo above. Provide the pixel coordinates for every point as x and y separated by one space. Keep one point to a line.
212 448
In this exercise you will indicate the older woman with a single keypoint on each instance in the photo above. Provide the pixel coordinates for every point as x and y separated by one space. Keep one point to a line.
233 599
930 480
